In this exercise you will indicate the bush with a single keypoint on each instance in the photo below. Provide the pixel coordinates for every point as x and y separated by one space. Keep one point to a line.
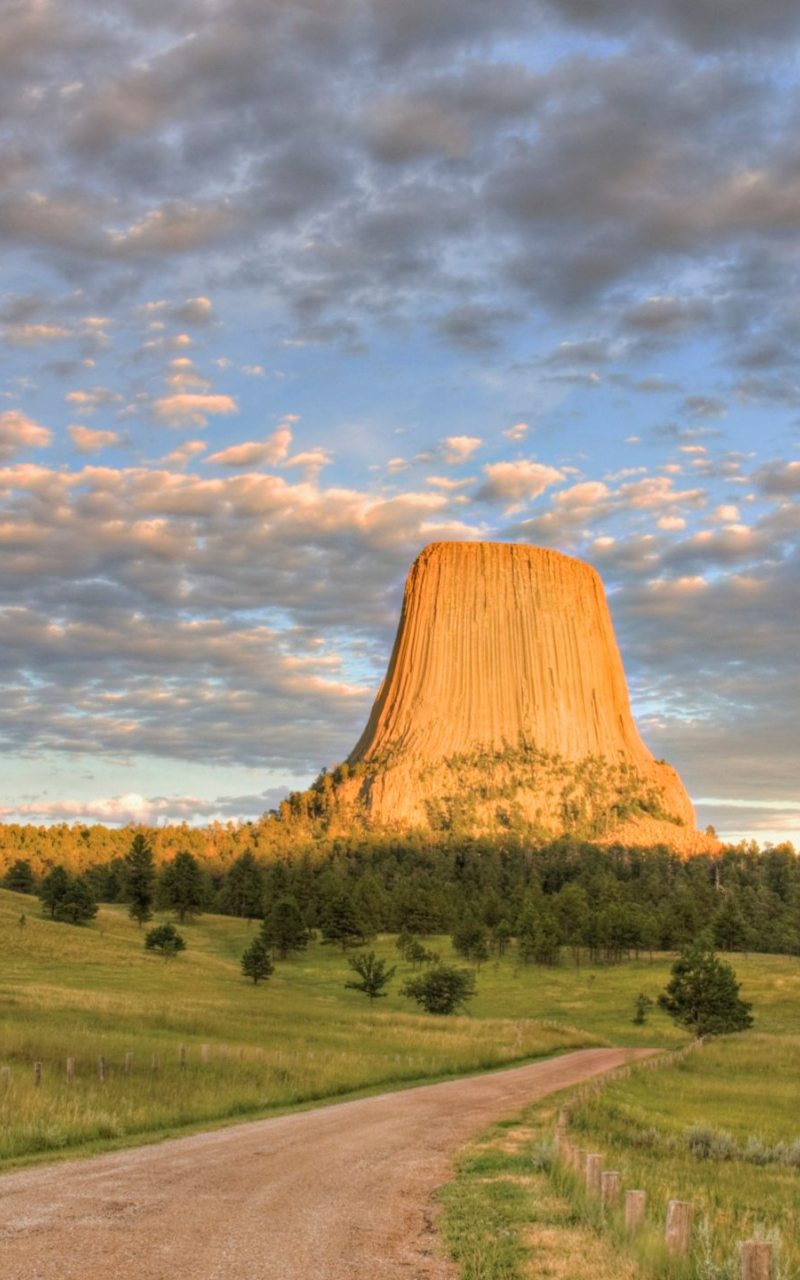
164 939
442 989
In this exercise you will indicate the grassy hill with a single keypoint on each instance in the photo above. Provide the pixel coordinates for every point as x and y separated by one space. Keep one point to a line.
300 1038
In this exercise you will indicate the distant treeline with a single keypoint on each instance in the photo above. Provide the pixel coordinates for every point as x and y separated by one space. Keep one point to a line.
611 902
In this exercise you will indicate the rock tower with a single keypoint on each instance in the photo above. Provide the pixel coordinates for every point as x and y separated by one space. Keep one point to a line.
505 706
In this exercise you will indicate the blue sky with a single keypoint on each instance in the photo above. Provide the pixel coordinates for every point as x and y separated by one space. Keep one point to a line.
290 289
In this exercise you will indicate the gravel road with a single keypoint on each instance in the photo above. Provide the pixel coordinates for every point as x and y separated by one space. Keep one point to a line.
346 1192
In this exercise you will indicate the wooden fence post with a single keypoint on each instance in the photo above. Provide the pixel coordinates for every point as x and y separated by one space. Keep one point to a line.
70 1070
101 1068
155 1062
204 1052
37 1073
610 1188
594 1167
5 1077
756 1260
635 1202
580 1160
563 1118
679 1226
128 1066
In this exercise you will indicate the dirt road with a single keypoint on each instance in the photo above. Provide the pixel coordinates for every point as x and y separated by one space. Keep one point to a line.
342 1193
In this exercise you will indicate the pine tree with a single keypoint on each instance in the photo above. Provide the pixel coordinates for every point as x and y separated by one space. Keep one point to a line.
340 923
181 887
78 904
256 963
373 975
703 993
243 892
140 879
284 930
53 890
20 878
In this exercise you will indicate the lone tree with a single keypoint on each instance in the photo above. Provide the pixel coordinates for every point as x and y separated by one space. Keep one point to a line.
164 939
139 879
703 993
441 989
256 963
181 888
284 930
373 975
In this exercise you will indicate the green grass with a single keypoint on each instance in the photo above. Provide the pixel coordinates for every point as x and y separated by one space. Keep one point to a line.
299 1039
743 1089
513 1210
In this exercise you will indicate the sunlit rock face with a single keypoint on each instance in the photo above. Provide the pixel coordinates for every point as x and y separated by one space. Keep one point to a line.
505 706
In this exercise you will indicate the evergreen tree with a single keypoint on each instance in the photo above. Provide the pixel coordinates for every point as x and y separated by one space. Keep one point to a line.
340 923
181 887
140 879
243 892
20 878
284 930
53 890
373 975
78 905
256 963
729 927
703 993
469 938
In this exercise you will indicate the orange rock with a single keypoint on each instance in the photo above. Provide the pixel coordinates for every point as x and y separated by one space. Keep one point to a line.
505 693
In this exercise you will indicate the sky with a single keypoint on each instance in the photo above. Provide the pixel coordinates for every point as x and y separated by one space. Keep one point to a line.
291 288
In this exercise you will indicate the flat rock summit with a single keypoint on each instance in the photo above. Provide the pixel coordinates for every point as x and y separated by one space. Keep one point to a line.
505 706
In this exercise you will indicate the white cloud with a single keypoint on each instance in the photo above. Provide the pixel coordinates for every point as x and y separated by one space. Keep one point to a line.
192 410
456 450
88 441
516 482
18 432
255 453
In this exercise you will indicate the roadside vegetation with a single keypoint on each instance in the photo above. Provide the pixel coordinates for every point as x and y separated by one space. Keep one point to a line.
719 1128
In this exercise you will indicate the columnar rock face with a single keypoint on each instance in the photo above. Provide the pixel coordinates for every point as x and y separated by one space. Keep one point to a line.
500 643
505 703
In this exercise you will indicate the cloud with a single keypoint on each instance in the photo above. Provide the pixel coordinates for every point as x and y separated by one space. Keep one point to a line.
267 452
516 482
18 433
456 450
88 441
194 311
191 410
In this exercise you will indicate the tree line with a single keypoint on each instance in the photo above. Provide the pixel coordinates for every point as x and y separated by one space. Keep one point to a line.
565 897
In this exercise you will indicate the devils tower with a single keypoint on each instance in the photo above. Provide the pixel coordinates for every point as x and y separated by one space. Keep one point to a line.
505 706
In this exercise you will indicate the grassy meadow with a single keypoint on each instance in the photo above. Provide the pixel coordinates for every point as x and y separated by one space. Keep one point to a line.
720 1128
298 1039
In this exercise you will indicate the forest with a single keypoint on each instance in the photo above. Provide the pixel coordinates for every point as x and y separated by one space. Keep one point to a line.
606 902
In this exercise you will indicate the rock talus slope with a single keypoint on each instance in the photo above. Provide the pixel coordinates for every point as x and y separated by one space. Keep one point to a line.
505 701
